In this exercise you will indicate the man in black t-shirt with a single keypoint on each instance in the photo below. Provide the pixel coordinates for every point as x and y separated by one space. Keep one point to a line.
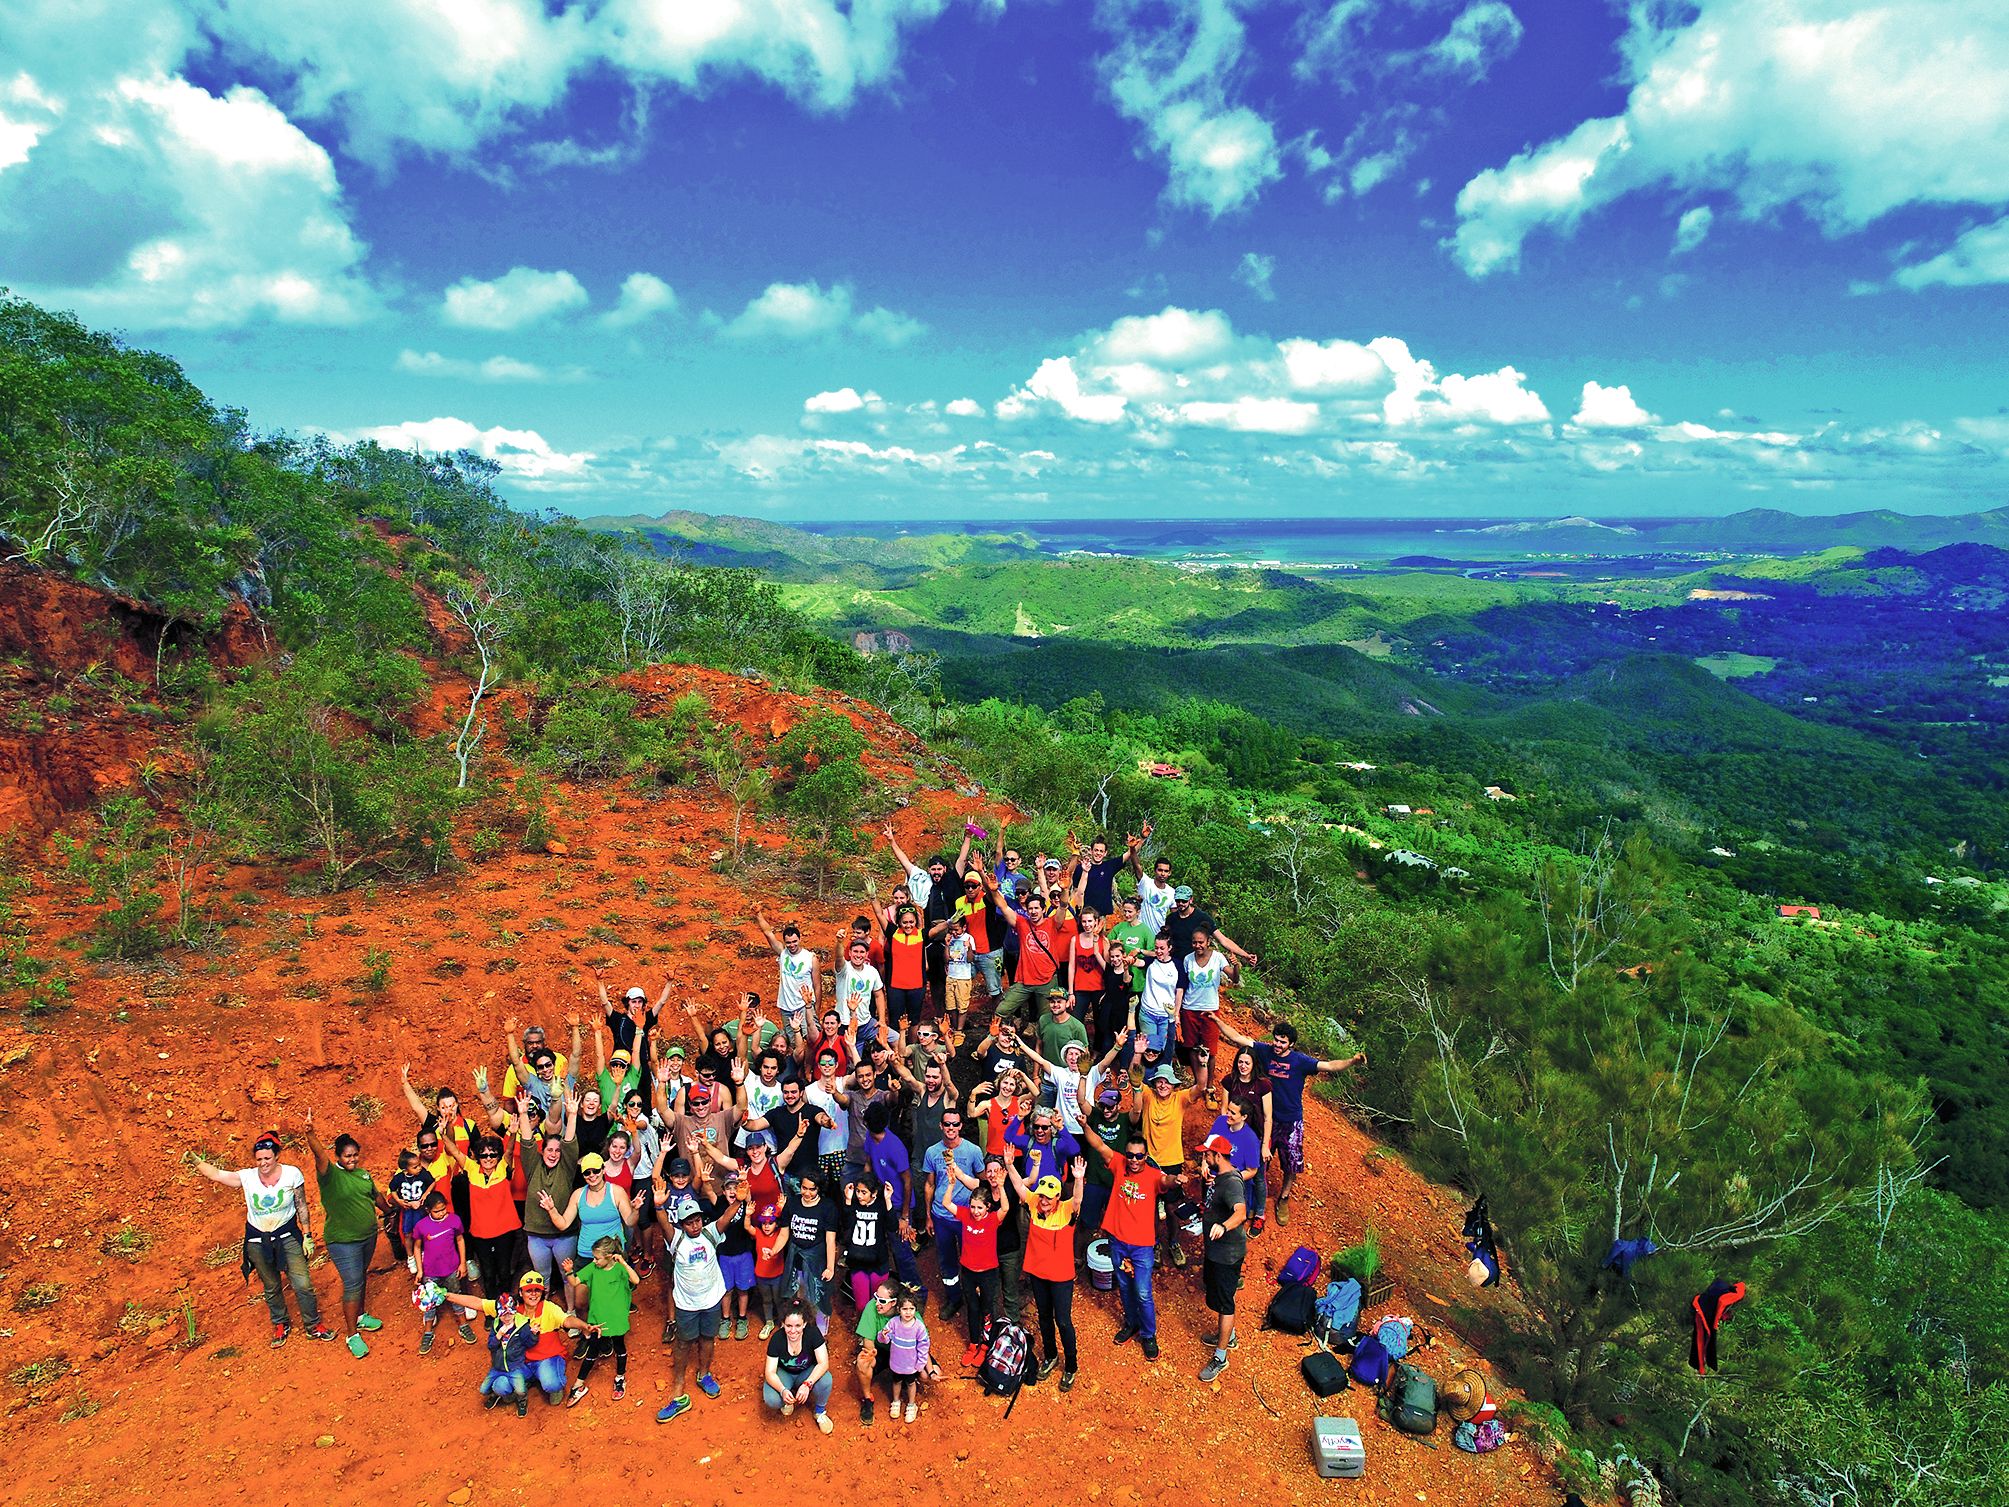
1224 1244
1187 918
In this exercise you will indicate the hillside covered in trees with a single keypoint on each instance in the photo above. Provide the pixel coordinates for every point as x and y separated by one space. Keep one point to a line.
332 668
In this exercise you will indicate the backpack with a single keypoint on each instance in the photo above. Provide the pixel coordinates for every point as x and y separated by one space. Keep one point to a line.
1324 1373
1339 1309
1409 1400
1394 1337
1300 1266
1479 1438
1292 1309
1370 1362
1007 1364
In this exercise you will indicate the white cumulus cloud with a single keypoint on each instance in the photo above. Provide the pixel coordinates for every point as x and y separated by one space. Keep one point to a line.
1979 255
643 296
809 311
521 296
1848 109
139 198
1170 71
1609 408
963 408
492 369
523 454
843 400
1693 229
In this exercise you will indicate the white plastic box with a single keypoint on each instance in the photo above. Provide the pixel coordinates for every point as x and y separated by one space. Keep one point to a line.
1336 1447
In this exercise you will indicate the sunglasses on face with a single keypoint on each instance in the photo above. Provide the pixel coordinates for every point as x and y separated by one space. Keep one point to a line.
428 1145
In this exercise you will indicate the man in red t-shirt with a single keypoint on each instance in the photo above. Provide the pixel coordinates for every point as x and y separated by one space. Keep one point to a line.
1131 1223
1044 940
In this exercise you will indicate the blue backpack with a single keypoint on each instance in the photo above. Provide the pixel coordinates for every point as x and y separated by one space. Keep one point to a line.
1370 1362
1301 1266
1339 1309
1394 1338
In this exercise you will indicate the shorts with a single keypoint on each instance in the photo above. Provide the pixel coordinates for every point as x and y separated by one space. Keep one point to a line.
959 991
698 1323
904 1006
1290 1150
1220 1281
1201 1028
737 1271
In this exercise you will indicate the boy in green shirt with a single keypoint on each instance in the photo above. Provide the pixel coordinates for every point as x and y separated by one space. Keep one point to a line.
1136 937
606 1289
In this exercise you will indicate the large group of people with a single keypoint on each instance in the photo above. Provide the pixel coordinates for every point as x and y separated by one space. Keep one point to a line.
1008 1071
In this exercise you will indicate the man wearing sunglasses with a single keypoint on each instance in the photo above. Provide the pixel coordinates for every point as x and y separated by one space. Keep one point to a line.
1131 1223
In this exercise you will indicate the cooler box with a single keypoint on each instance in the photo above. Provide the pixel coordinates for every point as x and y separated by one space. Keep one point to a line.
1336 1447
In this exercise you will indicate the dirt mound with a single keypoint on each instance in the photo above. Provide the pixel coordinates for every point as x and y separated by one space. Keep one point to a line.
139 1355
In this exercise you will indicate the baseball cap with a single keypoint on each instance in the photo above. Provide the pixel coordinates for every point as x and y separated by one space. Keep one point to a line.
1219 1144
1109 1096
686 1208
592 1161
1183 892
1047 1187
679 1167
1053 863
1164 1073
619 1054
531 1279
760 1138
674 1049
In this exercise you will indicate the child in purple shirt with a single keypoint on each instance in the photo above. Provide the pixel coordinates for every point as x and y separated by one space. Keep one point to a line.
906 1340
442 1256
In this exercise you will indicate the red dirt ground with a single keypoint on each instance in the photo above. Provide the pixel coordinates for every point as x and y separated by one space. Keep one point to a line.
107 1100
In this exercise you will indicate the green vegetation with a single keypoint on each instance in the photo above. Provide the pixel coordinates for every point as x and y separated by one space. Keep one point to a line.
1732 666
1529 857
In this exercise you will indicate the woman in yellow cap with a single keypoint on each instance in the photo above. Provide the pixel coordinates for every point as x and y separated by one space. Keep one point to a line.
543 1360
599 1208
1049 1263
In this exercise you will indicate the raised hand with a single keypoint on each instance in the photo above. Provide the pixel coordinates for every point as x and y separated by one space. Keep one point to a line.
509 1024
481 1082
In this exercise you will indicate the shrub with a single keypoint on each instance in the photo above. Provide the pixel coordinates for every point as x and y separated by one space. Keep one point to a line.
116 861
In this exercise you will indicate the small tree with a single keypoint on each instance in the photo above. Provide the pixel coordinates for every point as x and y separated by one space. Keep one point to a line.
728 759
825 799
485 607
117 860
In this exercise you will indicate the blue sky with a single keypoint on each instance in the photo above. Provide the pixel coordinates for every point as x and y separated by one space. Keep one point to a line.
925 258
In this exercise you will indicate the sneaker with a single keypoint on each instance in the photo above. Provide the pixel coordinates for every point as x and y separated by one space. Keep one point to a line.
425 1342
1150 1348
1256 1226
677 1408
320 1332
973 1353
356 1346
865 1413
669 1331
1046 1367
739 1328
1178 1255
577 1395
491 1399
369 1322
950 1311
1284 1210
467 1333
1214 1367
823 1422
522 1404
1126 1334
707 1386
912 1412
1067 1381
279 1334
620 1388
767 1329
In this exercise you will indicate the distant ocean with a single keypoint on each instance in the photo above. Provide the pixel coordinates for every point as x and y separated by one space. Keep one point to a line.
1299 541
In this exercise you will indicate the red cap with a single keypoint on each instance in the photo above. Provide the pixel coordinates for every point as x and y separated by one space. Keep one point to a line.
1218 1143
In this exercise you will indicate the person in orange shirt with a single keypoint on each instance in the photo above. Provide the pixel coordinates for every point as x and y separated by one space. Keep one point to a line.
1049 1263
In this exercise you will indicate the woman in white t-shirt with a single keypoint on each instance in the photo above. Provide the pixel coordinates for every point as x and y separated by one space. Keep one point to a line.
277 1237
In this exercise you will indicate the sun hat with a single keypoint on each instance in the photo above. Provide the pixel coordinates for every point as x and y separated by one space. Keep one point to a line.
1047 1187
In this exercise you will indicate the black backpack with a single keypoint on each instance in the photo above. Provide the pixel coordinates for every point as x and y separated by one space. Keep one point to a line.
1324 1373
1293 1309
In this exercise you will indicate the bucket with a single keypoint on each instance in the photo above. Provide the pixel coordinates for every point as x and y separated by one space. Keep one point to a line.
1101 1270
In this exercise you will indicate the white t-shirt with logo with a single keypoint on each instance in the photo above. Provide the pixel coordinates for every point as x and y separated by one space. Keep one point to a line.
1154 903
1203 981
697 1280
855 988
1161 986
275 1207
798 976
